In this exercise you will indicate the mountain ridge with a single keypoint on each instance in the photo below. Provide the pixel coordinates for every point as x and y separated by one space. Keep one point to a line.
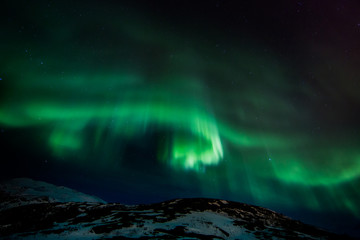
22 191
187 218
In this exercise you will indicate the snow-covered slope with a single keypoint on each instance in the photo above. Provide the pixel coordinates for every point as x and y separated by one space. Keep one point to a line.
196 218
23 191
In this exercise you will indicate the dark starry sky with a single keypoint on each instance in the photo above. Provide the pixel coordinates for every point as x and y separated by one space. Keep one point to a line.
143 101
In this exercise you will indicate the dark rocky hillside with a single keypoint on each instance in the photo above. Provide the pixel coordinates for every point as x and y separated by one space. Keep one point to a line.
195 218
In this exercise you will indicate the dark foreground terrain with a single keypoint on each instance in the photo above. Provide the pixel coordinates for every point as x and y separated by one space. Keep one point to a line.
26 213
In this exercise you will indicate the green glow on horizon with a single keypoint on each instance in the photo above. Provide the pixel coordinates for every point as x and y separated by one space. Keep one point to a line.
301 172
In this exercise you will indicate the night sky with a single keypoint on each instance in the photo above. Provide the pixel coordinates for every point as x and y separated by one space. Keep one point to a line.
144 101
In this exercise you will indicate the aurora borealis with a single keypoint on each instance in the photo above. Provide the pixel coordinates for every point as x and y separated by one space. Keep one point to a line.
254 102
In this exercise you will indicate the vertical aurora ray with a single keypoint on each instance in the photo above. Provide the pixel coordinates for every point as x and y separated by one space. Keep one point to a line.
129 109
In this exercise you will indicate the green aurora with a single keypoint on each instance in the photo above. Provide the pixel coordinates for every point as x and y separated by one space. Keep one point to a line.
231 114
